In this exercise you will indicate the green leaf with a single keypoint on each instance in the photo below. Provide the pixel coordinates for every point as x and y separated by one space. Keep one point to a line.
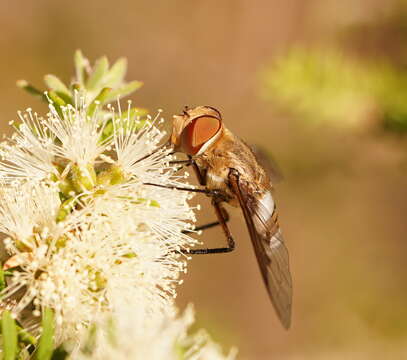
116 74
25 337
99 100
46 342
135 124
134 113
56 99
99 71
9 331
57 102
67 99
56 84
23 84
81 63
107 131
124 90
2 278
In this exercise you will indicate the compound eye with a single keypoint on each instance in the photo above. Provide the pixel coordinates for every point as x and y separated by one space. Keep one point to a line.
198 132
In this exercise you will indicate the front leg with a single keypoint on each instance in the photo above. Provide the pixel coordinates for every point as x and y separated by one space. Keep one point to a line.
200 173
215 194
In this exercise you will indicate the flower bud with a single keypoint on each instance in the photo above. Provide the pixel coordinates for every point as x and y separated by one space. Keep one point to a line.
83 178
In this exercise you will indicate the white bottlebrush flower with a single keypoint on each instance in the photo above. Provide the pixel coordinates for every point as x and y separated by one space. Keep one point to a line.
25 209
83 229
72 136
28 153
131 334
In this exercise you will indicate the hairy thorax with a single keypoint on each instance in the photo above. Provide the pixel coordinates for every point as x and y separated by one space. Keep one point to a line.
229 152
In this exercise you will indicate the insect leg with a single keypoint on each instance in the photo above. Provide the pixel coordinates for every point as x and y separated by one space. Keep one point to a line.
153 152
201 177
189 162
202 227
181 162
222 219
202 191
221 213
209 225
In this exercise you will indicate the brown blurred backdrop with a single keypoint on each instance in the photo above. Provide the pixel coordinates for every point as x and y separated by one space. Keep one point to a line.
342 202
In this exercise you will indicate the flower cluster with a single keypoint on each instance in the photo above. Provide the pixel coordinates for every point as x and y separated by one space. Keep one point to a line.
160 337
83 229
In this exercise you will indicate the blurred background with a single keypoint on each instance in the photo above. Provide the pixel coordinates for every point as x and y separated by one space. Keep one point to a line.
320 84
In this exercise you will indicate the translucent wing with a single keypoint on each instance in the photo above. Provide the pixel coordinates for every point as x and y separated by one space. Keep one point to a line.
271 253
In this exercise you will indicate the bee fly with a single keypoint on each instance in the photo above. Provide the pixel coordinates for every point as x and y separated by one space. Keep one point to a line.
230 173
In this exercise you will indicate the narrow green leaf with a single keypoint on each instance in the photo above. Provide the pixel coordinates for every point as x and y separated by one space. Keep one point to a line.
56 99
2 278
66 98
104 93
107 131
124 90
135 113
134 124
99 71
81 64
54 83
9 331
23 84
46 342
25 337
57 102
116 74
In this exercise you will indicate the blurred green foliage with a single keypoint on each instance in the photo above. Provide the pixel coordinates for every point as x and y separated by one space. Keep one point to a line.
381 35
332 87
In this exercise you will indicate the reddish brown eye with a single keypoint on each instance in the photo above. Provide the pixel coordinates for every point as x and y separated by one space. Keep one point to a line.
198 132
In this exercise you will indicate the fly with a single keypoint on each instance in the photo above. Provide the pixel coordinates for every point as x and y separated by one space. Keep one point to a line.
229 172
